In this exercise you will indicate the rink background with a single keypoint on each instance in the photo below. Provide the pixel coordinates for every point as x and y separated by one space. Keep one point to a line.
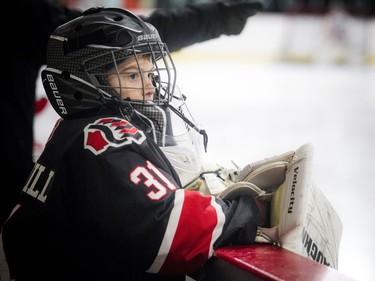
290 80
283 82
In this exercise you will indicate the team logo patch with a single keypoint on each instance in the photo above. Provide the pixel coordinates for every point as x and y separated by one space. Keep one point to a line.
110 131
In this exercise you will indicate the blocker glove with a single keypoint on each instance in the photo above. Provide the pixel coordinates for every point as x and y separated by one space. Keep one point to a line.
236 13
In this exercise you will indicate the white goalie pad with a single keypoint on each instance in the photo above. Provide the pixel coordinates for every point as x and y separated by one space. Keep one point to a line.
302 219
307 223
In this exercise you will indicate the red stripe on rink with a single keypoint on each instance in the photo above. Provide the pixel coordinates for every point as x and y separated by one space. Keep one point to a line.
275 263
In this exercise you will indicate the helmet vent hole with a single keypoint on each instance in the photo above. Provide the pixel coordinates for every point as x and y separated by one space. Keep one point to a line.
118 18
78 95
65 74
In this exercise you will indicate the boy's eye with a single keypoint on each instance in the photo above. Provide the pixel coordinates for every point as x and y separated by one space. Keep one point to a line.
133 76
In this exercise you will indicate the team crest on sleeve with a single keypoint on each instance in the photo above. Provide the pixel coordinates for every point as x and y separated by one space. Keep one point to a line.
110 131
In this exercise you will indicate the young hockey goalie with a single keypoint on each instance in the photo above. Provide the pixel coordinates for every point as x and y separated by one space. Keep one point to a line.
117 192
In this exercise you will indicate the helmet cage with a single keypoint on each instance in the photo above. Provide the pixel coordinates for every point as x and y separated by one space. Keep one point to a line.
99 66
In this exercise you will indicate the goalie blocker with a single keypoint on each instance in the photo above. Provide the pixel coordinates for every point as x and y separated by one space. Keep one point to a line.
302 219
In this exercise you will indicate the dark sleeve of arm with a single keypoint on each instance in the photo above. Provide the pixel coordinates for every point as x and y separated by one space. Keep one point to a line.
54 16
36 19
181 27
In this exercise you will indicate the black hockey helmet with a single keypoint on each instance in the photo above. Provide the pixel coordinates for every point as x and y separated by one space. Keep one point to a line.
81 52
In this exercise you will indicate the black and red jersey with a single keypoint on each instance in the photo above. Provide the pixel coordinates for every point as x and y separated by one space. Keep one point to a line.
104 203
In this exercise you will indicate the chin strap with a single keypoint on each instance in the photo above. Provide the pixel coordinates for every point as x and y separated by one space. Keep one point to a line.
192 125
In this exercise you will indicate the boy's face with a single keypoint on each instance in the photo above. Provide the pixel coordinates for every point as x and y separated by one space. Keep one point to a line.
135 80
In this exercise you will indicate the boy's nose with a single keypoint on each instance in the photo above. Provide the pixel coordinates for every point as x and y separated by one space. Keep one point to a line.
149 82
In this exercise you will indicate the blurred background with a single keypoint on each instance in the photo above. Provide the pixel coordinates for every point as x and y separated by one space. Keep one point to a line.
319 7
301 71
